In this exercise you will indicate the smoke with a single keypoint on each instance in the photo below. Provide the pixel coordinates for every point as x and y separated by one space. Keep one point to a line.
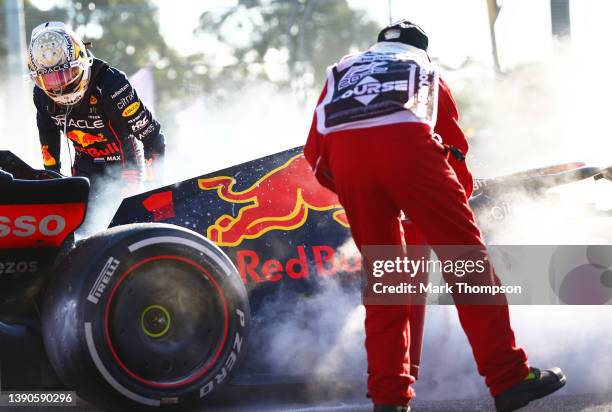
538 115
313 335
250 123
304 334
210 135
213 134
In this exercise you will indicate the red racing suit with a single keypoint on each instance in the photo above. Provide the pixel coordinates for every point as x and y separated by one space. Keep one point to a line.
372 142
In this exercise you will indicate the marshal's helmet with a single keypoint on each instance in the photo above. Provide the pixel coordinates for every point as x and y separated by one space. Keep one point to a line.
403 31
59 63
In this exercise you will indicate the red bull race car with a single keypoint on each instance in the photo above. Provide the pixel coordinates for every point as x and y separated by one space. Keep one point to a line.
193 285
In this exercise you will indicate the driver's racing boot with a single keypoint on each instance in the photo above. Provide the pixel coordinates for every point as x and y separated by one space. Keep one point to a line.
391 408
536 385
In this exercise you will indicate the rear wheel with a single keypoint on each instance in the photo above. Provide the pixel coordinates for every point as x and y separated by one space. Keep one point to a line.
153 314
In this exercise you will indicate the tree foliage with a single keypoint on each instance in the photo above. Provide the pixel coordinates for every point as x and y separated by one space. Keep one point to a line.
125 33
287 40
282 41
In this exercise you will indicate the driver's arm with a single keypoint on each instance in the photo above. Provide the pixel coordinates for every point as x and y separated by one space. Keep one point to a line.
48 133
130 118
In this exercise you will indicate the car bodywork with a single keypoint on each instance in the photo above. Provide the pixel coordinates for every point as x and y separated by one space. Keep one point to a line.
287 236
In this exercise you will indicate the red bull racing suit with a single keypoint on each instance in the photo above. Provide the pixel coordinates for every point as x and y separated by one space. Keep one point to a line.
111 129
380 139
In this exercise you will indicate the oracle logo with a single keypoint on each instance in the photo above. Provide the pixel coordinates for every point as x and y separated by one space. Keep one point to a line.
25 226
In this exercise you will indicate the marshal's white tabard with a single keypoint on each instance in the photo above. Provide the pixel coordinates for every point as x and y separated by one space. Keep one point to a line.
389 83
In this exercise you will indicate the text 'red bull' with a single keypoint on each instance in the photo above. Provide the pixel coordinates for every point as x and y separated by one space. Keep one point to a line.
86 139
279 200
327 262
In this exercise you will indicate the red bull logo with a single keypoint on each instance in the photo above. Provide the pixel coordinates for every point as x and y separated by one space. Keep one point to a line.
48 159
280 200
111 151
327 262
85 139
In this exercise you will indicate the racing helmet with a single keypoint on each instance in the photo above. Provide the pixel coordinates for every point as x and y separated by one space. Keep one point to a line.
58 63
406 32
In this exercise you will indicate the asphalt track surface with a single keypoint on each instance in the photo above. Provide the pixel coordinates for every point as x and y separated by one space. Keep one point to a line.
324 397
263 402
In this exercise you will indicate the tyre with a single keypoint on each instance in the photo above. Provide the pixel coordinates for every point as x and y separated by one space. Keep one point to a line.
148 314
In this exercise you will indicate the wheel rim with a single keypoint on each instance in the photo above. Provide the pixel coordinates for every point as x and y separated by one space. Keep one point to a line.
155 321
166 323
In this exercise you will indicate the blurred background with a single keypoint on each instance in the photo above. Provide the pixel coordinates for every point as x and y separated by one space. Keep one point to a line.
202 65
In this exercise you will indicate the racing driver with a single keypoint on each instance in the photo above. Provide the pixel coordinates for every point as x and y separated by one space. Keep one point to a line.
386 138
94 105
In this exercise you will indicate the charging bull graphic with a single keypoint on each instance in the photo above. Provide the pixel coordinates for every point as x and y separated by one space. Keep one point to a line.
48 159
280 200
85 139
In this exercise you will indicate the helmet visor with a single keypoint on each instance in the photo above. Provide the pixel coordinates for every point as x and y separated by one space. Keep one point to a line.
58 82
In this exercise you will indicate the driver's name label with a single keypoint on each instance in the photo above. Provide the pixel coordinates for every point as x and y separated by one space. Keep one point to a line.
102 280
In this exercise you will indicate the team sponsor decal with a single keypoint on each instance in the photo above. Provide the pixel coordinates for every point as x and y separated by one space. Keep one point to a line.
118 92
99 286
26 226
69 46
311 261
47 70
93 100
38 225
124 101
85 139
131 109
60 120
48 159
18 267
140 124
146 132
110 152
137 118
280 200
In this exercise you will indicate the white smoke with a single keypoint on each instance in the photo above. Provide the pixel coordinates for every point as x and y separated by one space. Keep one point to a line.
303 335
537 116
543 114
250 123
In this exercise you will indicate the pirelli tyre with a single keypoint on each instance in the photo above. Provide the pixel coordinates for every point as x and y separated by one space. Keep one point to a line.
148 314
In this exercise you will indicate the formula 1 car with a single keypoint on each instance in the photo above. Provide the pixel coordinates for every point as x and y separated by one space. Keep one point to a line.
160 308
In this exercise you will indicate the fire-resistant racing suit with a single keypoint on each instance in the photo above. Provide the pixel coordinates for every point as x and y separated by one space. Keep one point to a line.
111 129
